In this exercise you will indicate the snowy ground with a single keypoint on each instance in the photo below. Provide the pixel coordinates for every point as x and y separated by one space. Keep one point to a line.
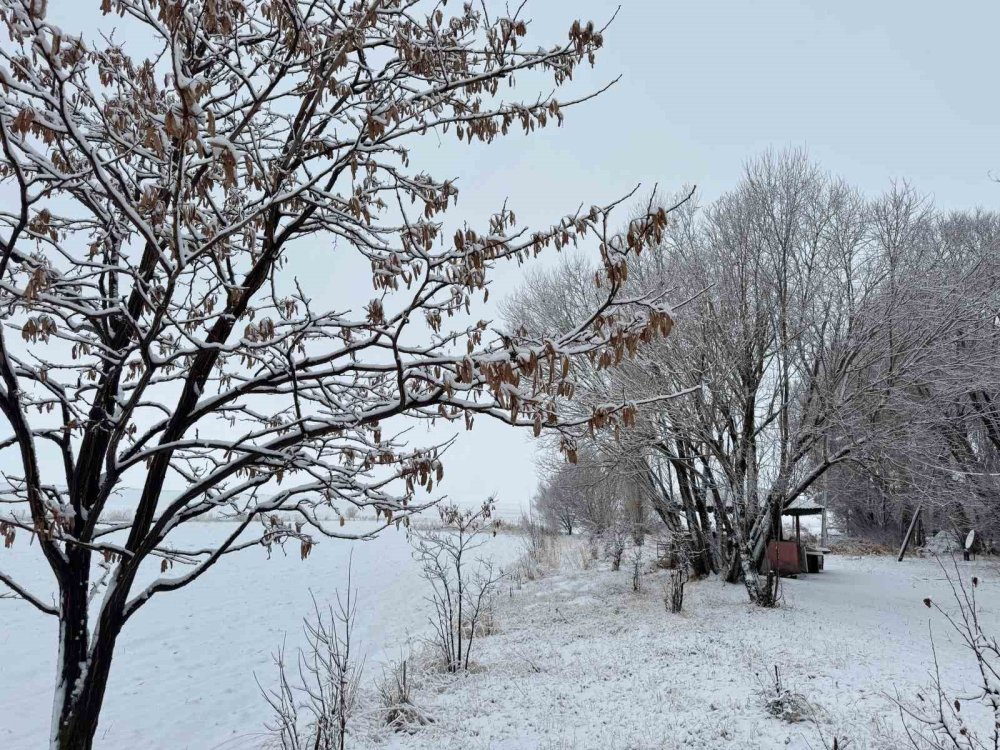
580 661
183 677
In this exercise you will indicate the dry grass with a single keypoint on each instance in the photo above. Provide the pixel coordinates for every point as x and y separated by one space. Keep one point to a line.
587 553
395 695
859 547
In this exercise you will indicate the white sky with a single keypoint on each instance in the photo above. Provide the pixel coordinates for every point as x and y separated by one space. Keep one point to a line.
875 90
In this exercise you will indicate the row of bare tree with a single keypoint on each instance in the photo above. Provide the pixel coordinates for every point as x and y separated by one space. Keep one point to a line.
828 346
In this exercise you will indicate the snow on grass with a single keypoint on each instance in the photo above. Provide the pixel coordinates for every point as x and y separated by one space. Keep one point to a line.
183 676
582 662
579 660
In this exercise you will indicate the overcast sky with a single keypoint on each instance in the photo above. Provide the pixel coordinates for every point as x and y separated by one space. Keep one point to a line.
874 90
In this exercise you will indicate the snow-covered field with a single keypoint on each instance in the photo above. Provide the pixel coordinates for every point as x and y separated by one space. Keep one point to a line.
580 661
183 677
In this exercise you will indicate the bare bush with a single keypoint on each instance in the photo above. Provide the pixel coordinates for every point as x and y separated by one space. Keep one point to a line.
313 703
462 587
937 722
786 704
614 540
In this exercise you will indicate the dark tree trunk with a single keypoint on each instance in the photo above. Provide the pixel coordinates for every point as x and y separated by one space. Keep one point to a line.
661 502
734 564
84 662
81 709
701 560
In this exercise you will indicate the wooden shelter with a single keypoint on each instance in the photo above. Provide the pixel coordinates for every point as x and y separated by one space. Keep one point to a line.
790 557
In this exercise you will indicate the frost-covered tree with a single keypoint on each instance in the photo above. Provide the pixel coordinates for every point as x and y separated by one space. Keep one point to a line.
825 332
944 414
557 506
587 495
152 332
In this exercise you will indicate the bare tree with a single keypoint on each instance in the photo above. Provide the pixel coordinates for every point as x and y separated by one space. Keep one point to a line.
462 586
942 414
577 493
312 705
150 333
557 505
819 331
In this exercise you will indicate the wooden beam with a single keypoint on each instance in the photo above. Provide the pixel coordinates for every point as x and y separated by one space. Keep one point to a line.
909 533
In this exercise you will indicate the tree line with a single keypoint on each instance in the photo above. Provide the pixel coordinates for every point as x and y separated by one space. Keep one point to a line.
829 345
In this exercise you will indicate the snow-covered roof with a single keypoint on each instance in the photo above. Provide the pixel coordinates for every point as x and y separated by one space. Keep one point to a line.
802 506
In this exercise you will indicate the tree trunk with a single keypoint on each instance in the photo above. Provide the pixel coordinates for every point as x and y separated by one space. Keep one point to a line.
79 714
909 534
78 703
660 499
701 559
734 562
699 499
84 663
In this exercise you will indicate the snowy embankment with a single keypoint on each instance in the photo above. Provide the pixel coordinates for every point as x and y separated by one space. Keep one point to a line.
583 662
183 677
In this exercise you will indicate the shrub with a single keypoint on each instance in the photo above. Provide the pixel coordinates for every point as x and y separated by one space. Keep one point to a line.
462 589
939 722
312 706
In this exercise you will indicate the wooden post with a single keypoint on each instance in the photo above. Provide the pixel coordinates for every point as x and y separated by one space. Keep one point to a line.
822 533
909 533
